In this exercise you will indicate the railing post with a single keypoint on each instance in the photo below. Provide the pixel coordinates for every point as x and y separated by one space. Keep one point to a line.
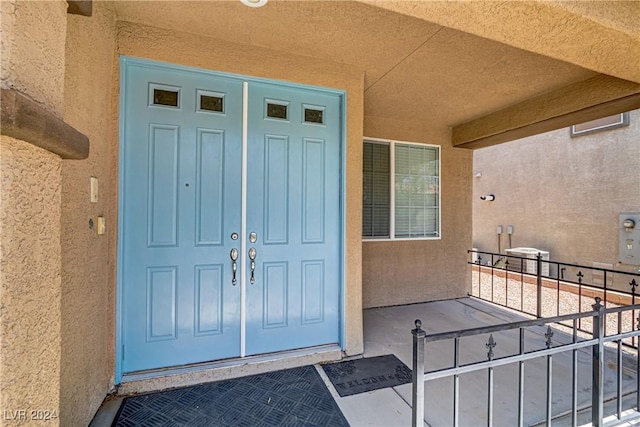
417 395
597 390
539 284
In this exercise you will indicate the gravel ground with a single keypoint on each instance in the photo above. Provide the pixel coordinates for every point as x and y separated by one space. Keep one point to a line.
521 296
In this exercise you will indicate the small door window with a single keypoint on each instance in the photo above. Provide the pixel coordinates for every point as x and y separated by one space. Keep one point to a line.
211 102
277 110
164 96
313 115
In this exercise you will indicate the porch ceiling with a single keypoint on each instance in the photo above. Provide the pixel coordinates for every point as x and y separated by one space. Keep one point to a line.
414 69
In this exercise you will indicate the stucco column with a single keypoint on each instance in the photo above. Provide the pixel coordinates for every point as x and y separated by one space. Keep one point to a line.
30 274
32 63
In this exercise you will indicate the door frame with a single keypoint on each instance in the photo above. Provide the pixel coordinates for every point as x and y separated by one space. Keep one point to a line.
125 62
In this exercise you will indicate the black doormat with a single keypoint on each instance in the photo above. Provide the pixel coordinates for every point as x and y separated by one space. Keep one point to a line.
292 397
371 373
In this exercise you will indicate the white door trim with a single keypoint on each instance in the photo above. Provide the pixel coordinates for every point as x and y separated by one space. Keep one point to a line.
243 227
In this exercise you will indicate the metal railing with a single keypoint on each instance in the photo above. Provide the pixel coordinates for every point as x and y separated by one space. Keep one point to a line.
572 344
544 288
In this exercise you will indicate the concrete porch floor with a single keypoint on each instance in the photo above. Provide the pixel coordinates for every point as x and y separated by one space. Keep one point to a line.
388 331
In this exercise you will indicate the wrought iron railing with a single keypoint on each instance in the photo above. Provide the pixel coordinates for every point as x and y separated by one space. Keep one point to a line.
571 343
545 288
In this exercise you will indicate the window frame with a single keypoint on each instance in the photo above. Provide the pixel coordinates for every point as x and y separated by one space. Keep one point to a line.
624 121
392 190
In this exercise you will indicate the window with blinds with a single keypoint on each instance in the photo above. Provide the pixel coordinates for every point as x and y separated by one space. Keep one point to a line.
375 190
401 190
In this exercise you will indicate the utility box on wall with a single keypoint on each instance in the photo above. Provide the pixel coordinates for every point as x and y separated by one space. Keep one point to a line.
629 238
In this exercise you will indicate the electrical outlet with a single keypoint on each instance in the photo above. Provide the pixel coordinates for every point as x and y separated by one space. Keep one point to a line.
102 225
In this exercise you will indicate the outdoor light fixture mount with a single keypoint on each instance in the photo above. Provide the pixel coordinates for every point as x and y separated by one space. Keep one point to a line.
254 3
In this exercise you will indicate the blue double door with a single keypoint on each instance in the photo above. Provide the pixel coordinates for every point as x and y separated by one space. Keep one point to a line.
230 217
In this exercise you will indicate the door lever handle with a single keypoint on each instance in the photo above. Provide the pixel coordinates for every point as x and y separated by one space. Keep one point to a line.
234 265
252 257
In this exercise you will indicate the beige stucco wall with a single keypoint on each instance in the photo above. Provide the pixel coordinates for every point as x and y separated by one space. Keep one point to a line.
32 60
88 259
191 50
30 280
423 270
561 194
58 282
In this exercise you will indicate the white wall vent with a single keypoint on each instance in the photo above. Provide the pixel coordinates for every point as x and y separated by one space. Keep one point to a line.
529 264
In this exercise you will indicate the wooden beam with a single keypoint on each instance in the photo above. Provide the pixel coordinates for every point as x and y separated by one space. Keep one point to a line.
591 99
80 7
29 121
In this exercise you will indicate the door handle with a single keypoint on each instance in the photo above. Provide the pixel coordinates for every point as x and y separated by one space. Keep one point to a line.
234 265
252 257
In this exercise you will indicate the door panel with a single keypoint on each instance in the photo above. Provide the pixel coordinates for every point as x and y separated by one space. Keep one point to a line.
276 189
293 194
181 200
313 194
209 308
210 189
162 190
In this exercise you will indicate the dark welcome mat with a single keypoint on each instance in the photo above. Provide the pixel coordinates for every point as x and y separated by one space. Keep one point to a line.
371 373
292 397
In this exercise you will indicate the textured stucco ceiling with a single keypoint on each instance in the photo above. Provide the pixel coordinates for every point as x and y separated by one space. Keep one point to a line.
598 35
619 15
414 69
344 32
456 77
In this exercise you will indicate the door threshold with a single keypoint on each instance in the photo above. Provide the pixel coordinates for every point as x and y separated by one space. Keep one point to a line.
187 375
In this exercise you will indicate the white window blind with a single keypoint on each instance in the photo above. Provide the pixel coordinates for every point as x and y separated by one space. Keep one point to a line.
401 190
376 202
416 191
